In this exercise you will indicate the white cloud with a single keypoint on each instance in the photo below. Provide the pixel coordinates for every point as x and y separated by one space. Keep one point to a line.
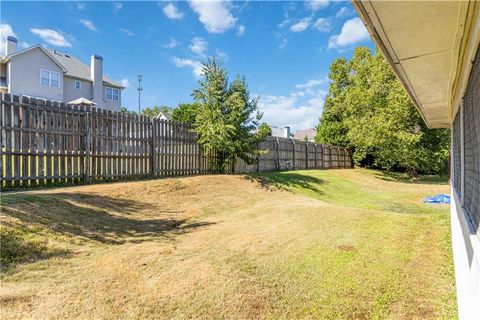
284 22
80 5
240 30
197 66
53 37
283 43
124 82
171 11
128 32
316 5
88 24
300 26
344 11
198 46
322 24
214 15
5 31
311 83
117 6
353 31
222 55
291 110
173 43
24 45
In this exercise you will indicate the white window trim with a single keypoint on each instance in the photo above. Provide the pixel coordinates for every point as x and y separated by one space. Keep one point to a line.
50 78
79 85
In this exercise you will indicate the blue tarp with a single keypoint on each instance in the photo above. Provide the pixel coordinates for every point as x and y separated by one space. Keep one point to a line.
437 199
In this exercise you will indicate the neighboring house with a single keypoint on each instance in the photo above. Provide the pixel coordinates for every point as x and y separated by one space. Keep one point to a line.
305 135
167 116
434 49
49 74
281 132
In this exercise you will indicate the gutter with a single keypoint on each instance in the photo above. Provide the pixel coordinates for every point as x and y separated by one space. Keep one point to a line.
376 36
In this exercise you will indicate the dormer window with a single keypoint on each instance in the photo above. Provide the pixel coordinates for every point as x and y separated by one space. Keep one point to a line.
78 85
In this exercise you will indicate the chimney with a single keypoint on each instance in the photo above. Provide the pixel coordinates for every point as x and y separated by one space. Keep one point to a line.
286 132
96 73
11 45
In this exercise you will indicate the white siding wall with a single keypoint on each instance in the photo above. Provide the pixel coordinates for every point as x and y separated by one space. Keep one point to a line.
466 256
111 104
23 75
70 93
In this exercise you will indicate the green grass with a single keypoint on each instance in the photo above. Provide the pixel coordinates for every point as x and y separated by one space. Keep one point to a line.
332 244
368 193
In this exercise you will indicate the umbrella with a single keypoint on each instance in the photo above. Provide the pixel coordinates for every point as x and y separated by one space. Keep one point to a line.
82 102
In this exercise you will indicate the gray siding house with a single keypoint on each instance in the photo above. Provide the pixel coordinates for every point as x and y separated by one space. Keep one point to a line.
49 74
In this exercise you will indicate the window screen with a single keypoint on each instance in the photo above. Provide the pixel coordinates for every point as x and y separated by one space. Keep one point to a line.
471 118
456 154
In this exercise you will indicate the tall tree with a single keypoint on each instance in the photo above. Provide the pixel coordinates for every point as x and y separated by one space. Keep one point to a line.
226 116
185 112
367 109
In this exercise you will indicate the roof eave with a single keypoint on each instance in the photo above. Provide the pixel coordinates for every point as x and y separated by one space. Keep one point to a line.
39 46
391 59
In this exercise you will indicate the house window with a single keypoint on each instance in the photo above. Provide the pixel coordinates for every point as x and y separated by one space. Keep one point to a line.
54 79
113 94
49 78
78 85
45 77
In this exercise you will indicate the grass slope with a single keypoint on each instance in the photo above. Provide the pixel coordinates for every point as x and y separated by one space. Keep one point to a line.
330 244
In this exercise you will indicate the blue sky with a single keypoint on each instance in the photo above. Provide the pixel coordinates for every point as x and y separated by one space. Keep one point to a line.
283 48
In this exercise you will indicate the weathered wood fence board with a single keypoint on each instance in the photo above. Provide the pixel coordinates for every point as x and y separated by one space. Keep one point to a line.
46 142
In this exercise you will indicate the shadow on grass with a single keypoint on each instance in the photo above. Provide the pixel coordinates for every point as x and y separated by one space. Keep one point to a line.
287 180
405 178
16 248
104 219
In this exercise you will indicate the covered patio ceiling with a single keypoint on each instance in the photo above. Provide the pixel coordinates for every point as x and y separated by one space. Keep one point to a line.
428 44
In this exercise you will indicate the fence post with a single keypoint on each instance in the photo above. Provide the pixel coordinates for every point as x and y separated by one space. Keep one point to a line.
258 158
278 153
153 145
88 141
330 157
315 166
293 143
306 155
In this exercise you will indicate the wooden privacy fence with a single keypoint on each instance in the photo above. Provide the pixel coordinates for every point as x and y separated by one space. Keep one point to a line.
289 154
46 142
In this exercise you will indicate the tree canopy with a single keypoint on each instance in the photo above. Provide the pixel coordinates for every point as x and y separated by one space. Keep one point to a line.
155 110
226 115
185 112
367 109
264 130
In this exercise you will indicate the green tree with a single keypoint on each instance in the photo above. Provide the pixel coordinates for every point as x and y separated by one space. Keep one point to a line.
367 109
124 110
226 116
185 112
155 110
264 130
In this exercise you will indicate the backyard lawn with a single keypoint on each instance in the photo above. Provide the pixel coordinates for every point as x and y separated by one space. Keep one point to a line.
332 244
